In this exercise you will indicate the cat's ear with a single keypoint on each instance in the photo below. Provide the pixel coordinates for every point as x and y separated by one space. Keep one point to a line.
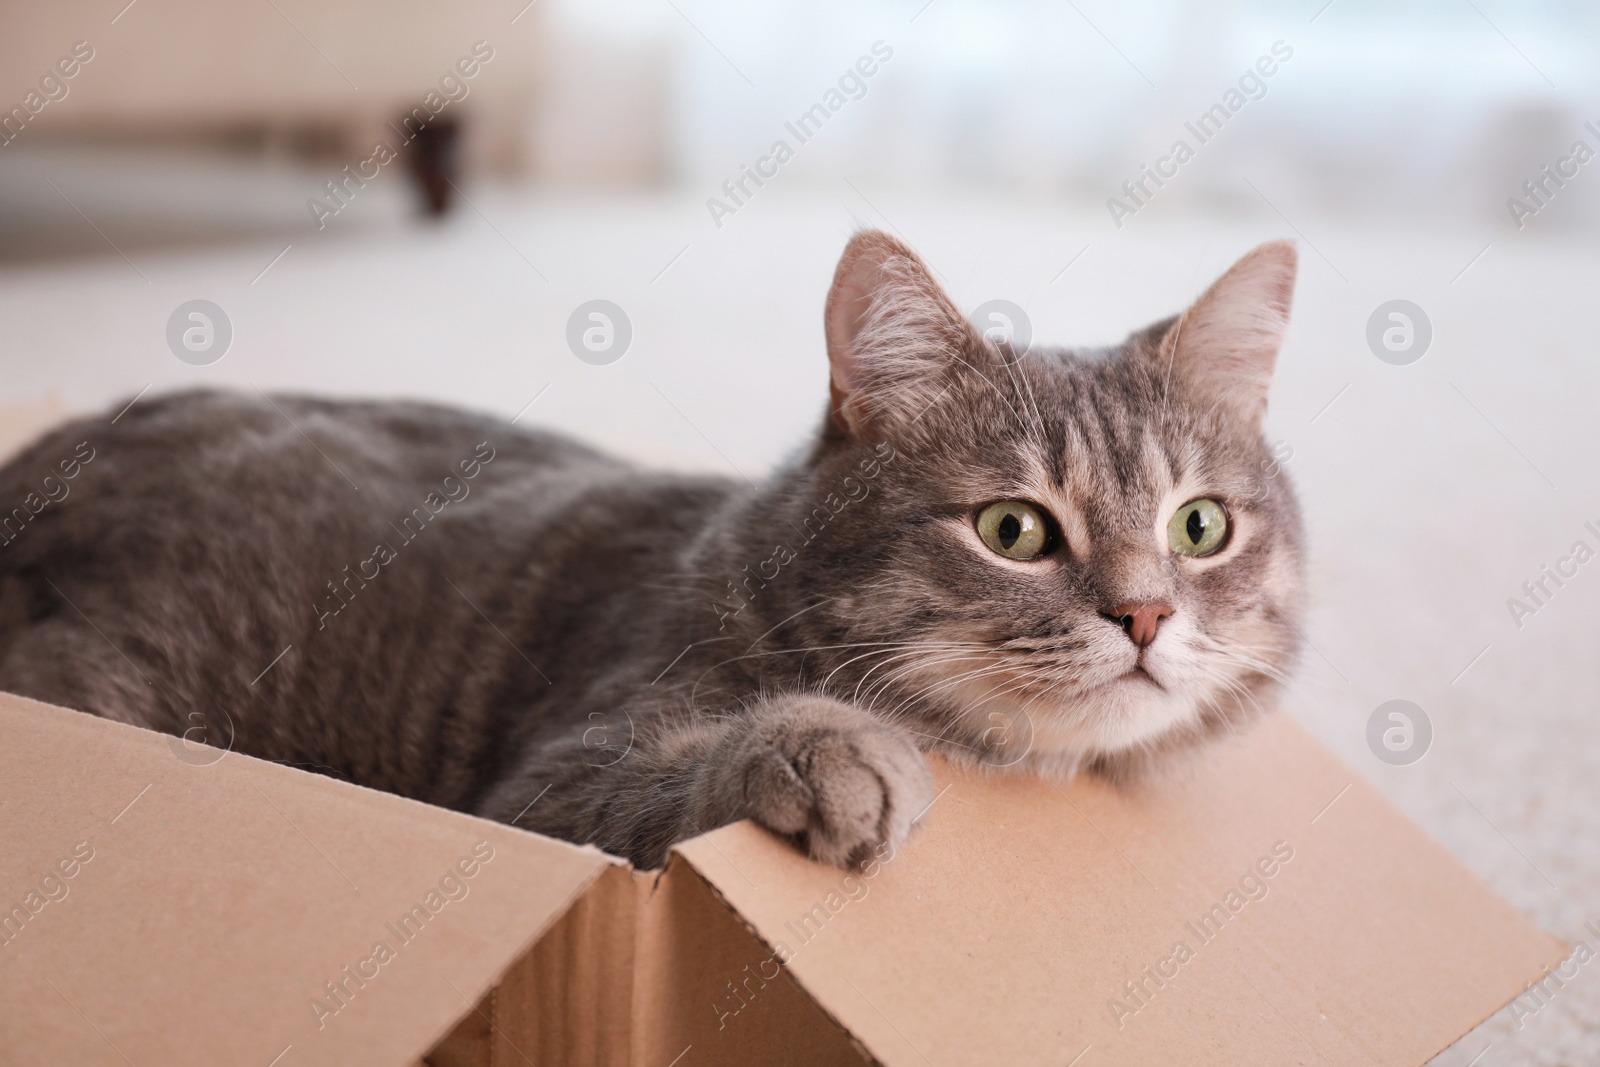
893 335
1224 347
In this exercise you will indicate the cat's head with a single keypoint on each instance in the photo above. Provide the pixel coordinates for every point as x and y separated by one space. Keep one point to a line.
1087 554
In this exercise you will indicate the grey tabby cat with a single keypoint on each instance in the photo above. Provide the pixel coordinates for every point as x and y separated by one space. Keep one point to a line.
1056 559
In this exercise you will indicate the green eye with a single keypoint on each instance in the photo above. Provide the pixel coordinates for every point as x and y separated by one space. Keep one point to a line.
1014 530
1198 529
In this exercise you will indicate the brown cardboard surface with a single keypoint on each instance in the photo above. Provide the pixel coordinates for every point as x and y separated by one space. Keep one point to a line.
20 423
1006 929
220 897
654 969
709 991
570 1000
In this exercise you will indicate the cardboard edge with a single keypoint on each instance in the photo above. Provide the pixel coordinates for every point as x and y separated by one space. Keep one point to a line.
1567 950
678 860
126 735
1559 947
1448 856
84 720
571 997
477 996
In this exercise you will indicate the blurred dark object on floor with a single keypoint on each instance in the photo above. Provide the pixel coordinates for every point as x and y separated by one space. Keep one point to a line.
436 163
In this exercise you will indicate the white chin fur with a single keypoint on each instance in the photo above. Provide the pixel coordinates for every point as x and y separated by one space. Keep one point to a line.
1110 712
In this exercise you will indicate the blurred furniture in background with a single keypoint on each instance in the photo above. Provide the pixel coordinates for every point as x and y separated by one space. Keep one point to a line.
298 77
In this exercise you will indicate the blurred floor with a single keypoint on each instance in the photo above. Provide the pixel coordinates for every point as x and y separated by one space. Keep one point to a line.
63 201
1432 491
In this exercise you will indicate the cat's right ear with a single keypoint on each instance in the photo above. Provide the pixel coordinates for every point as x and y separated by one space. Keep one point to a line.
1224 347
893 335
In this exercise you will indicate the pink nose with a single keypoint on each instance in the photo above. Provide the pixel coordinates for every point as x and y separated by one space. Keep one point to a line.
1140 621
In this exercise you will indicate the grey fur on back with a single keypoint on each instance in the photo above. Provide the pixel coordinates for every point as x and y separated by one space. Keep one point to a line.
497 620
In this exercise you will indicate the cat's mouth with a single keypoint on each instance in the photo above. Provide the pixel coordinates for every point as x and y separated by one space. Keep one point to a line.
1139 674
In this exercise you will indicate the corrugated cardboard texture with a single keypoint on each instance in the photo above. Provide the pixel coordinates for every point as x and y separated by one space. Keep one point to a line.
652 969
220 898
1030 922
570 1000
709 991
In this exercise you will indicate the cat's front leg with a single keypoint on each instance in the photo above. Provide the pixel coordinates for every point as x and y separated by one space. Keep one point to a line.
836 779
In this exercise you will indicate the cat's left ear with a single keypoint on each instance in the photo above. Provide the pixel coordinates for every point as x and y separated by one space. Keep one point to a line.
1225 346
893 335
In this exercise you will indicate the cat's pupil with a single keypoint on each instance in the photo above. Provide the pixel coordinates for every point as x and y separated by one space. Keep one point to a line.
1195 527
1009 530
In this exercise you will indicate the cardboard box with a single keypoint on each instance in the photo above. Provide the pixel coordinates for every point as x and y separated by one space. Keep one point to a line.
163 902
169 903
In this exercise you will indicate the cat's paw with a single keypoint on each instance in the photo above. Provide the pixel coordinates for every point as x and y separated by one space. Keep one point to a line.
837 780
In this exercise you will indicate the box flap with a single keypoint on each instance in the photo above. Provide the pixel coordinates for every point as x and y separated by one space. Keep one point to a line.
571 999
708 991
1257 904
166 903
